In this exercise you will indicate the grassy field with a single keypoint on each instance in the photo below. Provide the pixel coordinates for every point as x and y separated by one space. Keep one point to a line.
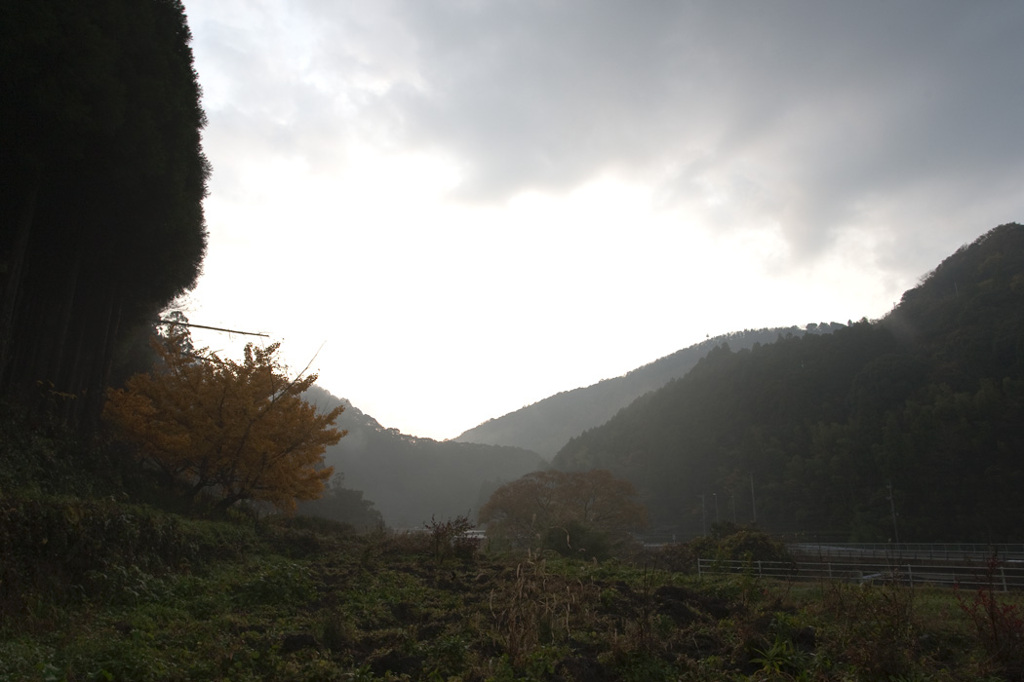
304 599
94 586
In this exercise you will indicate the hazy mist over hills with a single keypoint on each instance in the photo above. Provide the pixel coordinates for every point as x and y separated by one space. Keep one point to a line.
411 479
547 425
910 428
823 430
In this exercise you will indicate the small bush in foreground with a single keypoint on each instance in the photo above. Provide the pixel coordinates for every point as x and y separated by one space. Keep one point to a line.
999 624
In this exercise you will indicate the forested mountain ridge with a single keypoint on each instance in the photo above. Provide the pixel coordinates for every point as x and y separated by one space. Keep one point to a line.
547 425
411 479
908 428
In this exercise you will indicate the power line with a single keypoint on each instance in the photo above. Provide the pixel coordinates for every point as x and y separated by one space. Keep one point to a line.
216 329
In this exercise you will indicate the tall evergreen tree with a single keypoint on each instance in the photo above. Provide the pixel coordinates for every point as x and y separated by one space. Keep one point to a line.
102 178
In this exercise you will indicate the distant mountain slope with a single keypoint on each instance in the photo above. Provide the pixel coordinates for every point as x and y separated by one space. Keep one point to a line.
911 428
411 479
547 425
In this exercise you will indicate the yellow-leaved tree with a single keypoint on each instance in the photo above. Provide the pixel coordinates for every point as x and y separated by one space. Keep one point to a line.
238 430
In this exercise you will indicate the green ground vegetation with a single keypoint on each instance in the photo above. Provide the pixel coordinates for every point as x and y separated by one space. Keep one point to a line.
97 585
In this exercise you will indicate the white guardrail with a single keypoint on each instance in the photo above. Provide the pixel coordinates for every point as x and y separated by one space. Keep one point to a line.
912 550
999 574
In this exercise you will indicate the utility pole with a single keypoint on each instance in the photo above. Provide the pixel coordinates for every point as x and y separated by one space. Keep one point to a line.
703 517
892 509
753 502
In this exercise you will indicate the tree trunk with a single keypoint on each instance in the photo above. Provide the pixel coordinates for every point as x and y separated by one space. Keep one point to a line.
227 502
12 283
97 375
61 367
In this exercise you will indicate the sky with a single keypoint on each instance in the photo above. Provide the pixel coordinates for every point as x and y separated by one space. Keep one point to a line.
450 209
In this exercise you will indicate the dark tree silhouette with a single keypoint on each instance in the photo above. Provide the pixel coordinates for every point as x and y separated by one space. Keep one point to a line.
102 178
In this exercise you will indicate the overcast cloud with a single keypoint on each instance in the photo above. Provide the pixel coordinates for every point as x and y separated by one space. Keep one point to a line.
813 137
813 115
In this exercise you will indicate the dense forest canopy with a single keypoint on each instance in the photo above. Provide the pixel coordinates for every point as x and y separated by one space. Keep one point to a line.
547 425
910 428
102 178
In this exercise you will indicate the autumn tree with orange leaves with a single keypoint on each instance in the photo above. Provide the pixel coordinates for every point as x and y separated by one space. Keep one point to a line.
577 513
237 430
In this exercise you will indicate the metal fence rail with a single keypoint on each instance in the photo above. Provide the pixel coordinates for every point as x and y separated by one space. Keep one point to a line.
911 550
1000 575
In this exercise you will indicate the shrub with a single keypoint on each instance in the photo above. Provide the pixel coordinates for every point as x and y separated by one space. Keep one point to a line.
58 549
999 625
577 540
740 544
451 538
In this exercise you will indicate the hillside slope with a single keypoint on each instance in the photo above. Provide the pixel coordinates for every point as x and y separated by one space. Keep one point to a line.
547 425
412 479
910 428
